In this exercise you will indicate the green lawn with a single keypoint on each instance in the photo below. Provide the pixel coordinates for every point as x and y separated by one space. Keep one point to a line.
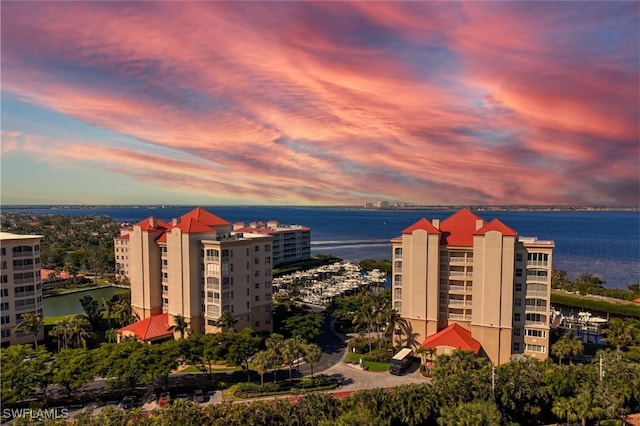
372 365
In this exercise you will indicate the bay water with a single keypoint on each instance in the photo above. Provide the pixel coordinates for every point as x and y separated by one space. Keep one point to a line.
604 242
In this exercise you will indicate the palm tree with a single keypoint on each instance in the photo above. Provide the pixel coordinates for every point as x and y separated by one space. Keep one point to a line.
312 354
180 325
227 321
111 335
620 333
62 330
567 346
274 346
364 319
289 352
563 409
80 330
262 361
31 323
108 305
123 311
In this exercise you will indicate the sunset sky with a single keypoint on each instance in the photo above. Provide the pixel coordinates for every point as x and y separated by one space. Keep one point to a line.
300 103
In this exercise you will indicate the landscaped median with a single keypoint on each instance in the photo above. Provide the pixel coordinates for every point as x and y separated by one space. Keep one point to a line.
285 387
367 363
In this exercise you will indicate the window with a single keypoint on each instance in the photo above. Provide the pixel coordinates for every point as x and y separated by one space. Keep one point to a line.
267 260
517 301
248 292
516 331
256 285
535 348
256 261
516 346
256 248
4 306
518 272
518 257
257 323
6 333
267 309
211 322
536 333
4 264
5 319
4 251
248 306
257 298
516 317
538 259
518 287
267 248
398 252
4 292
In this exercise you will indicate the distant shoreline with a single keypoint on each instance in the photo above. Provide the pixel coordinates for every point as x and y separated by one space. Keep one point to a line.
390 208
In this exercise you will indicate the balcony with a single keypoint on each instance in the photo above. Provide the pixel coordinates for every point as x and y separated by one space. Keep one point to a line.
455 288
542 294
30 306
22 267
530 308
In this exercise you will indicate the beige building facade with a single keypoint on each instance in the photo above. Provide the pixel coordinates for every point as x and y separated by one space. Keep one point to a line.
20 285
197 267
478 274
291 243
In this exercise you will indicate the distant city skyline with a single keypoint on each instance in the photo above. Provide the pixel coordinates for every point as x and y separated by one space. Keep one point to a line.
320 103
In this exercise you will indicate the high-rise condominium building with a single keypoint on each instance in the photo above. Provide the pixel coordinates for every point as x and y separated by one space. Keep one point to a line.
20 285
482 276
291 243
195 266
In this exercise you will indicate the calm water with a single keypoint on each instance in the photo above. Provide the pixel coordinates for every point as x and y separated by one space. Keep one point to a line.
606 243
69 304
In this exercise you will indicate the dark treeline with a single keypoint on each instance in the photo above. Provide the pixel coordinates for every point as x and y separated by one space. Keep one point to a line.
69 243
464 390
592 284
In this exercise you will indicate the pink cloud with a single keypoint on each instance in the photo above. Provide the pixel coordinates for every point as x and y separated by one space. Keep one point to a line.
336 102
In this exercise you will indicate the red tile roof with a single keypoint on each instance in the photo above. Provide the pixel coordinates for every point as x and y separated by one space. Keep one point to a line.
423 224
123 237
455 336
203 216
162 238
191 225
151 328
458 229
146 224
496 225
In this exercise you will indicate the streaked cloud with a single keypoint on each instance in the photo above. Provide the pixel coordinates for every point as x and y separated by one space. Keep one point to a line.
334 102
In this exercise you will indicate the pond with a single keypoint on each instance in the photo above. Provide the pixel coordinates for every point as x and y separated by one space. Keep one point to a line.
69 304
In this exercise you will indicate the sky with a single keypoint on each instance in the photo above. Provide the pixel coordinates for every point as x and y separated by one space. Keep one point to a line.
320 103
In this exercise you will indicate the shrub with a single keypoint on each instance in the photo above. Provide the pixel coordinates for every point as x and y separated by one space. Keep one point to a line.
377 355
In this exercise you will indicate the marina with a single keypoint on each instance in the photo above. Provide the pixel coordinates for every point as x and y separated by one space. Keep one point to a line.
320 285
585 326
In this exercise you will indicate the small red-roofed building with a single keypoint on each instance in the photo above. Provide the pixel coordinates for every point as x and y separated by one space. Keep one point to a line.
451 338
154 329
196 266
465 273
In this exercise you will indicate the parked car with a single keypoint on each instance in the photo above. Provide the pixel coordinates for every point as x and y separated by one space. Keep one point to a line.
127 402
198 395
